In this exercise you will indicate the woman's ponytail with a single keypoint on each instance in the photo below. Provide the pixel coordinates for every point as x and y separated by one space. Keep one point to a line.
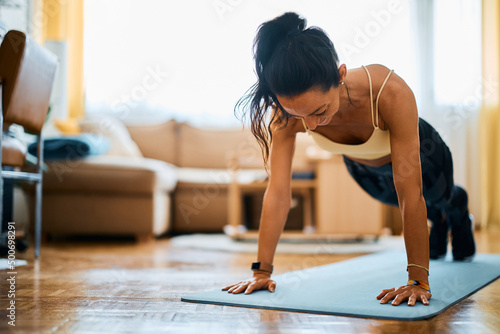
273 34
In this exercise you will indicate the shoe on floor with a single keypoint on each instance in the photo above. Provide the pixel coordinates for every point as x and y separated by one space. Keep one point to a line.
462 242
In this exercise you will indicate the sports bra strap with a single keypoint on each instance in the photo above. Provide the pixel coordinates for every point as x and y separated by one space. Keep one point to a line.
371 96
304 122
375 121
380 92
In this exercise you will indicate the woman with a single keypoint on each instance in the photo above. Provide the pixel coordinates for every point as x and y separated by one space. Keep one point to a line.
370 116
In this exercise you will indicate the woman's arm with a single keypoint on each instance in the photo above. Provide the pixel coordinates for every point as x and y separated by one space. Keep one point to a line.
275 207
278 194
399 112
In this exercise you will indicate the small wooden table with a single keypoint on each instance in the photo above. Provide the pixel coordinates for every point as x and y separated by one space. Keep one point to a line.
237 190
341 209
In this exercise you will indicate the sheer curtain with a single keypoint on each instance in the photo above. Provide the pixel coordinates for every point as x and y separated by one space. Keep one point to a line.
448 35
191 60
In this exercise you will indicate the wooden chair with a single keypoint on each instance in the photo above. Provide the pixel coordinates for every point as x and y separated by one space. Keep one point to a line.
27 74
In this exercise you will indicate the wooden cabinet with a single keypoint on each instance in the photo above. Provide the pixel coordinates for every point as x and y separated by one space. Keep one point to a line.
341 206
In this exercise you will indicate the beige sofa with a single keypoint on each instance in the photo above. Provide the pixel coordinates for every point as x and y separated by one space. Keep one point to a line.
156 178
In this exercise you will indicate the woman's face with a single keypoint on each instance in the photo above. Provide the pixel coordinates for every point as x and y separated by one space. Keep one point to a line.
315 106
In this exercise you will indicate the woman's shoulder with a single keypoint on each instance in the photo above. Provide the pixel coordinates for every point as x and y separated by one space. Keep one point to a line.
379 73
359 76
376 68
394 84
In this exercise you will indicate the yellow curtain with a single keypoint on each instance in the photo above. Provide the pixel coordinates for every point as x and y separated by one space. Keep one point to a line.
490 116
63 21
76 91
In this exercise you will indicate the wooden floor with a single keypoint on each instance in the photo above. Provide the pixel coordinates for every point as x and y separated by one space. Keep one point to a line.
119 286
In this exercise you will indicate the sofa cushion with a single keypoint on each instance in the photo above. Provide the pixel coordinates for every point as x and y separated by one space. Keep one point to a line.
115 131
217 176
157 141
213 148
112 175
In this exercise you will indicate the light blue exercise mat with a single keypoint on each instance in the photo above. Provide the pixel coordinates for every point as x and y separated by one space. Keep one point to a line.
350 287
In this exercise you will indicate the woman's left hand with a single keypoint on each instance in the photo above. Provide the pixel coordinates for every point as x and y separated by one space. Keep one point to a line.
411 293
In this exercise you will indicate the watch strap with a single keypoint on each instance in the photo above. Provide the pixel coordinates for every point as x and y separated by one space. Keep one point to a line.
263 266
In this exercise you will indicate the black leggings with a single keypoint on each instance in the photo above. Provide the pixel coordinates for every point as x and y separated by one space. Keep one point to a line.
440 193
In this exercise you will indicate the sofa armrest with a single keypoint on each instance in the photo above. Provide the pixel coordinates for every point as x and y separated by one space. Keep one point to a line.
111 174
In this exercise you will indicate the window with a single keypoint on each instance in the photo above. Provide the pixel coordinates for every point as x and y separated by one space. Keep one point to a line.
191 60
457 52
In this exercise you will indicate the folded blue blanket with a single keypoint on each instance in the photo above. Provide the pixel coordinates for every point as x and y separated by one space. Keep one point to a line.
72 148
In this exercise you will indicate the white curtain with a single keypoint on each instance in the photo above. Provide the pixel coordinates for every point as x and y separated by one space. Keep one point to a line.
448 36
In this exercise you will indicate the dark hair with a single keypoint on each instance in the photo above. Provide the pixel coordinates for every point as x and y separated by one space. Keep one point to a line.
289 60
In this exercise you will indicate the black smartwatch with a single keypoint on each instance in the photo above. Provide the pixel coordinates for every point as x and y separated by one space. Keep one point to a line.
263 266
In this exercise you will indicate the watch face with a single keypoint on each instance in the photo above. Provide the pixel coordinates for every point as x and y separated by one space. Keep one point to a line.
256 266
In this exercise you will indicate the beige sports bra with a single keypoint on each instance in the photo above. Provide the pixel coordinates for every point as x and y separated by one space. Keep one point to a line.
377 146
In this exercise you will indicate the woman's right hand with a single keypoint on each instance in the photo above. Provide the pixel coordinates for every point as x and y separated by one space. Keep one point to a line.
257 282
